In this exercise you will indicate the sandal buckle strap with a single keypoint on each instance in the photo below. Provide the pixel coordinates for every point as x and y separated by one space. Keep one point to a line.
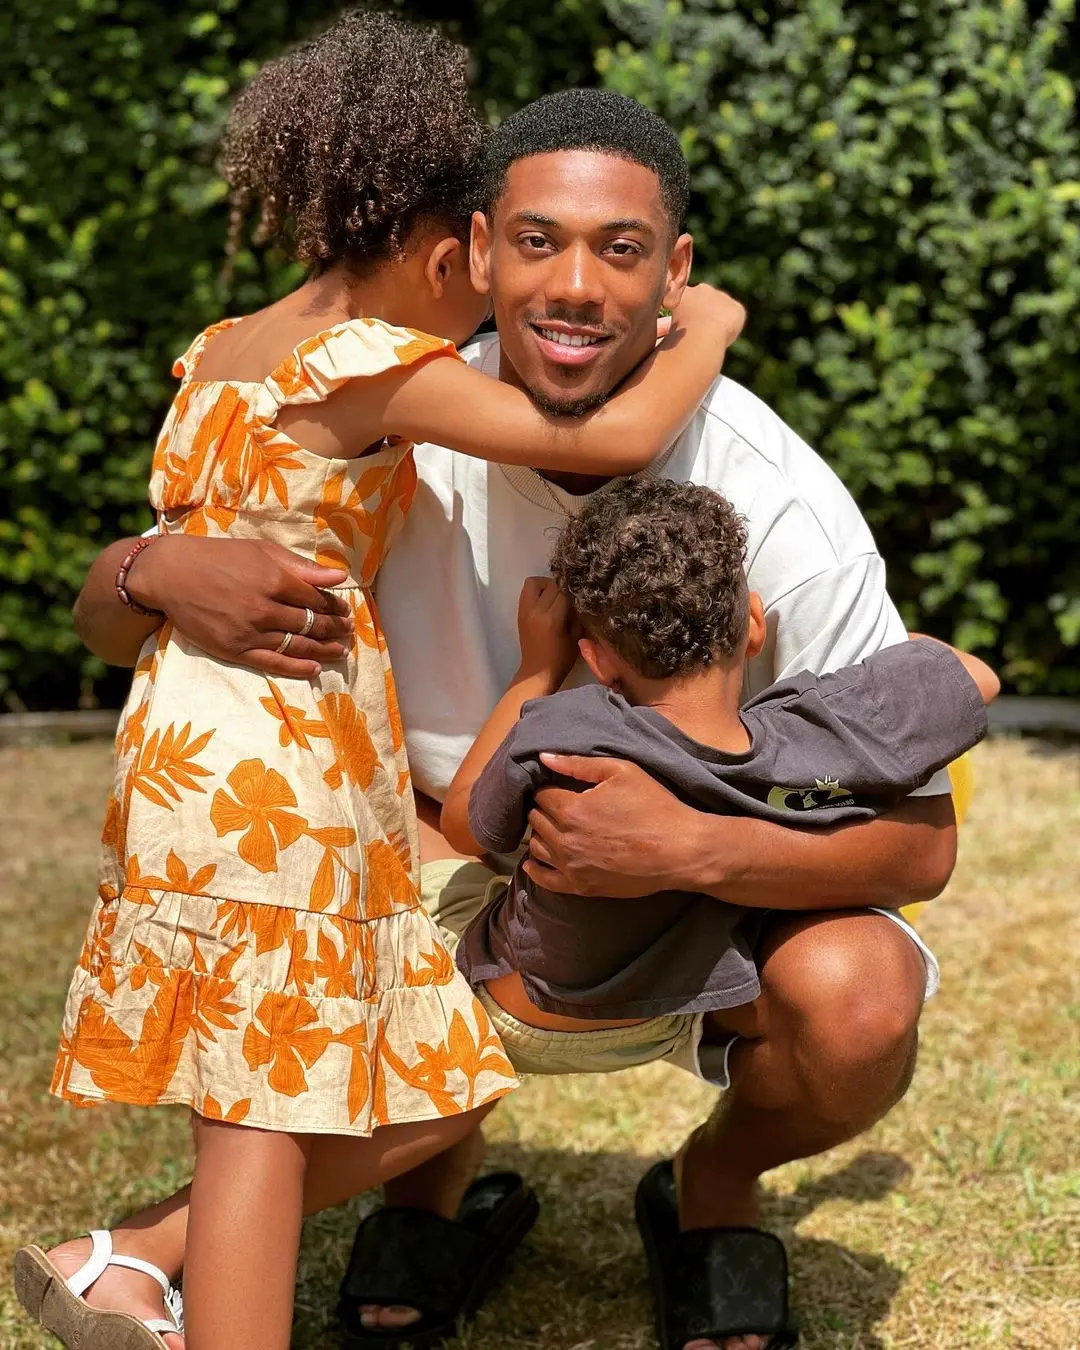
95 1265
102 1256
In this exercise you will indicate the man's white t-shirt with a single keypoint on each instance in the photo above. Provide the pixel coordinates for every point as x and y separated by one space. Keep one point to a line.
448 592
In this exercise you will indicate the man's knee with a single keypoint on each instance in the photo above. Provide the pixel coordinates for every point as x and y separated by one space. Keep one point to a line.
846 992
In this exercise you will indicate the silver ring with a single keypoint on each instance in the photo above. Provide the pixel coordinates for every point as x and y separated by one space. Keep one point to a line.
309 623
283 645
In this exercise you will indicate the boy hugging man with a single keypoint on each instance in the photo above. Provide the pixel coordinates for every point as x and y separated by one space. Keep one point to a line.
649 585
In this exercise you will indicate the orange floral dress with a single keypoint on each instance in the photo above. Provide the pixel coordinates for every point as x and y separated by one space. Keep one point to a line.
258 950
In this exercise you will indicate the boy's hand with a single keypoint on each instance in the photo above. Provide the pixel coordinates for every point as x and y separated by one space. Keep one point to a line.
546 631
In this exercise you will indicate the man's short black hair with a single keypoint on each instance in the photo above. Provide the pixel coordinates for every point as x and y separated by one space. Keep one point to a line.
590 119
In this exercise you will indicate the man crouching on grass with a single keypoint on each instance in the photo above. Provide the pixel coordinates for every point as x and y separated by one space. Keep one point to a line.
651 576
582 236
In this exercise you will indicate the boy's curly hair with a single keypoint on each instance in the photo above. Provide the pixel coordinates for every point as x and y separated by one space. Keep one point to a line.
350 140
656 569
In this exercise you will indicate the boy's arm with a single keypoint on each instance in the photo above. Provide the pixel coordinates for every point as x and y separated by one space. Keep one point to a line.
451 404
987 681
548 651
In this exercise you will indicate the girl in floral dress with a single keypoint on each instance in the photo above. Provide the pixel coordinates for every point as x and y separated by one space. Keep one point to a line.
258 951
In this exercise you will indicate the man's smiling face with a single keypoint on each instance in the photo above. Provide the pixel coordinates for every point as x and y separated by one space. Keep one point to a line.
578 254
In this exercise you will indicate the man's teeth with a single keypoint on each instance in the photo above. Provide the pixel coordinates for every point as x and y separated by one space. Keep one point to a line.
568 339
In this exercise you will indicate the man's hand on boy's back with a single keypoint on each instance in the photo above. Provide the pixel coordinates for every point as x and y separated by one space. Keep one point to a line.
623 837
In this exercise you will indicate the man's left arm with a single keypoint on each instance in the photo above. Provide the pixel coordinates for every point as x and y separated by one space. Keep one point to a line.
629 836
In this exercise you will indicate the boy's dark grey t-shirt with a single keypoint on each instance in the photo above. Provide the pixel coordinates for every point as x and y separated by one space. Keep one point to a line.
824 749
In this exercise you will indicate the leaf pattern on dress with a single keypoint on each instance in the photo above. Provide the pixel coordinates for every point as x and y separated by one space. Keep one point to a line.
167 764
437 967
129 1070
389 885
211 1109
297 726
357 758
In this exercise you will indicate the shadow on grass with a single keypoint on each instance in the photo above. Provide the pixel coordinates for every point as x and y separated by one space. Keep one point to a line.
580 1282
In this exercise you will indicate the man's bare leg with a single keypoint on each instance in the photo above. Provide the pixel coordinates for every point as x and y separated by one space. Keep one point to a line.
829 1048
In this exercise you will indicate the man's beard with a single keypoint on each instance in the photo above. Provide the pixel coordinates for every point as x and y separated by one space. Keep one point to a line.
569 407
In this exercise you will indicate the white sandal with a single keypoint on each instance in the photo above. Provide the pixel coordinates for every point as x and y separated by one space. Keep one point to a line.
58 1305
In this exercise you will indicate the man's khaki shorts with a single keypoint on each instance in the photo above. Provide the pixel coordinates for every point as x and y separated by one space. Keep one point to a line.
454 892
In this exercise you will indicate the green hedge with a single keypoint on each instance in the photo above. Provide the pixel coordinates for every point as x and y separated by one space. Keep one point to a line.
893 188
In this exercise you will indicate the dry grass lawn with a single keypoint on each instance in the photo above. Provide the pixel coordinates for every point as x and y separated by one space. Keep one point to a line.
955 1223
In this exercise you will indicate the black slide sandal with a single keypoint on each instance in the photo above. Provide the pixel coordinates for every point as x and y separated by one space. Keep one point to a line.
441 1267
710 1283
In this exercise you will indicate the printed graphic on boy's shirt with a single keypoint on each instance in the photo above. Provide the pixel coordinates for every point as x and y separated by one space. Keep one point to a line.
825 792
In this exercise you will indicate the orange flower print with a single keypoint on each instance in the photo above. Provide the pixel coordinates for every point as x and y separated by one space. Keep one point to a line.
238 959
473 1057
96 956
136 1071
335 969
211 1110
132 730
272 459
214 1005
220 445
420 346
271 926
301 966
259 810
176 878
388 884
355 1037
289 1044
357 759
296 725
150 967
114 827
365 631
437 968
429 1076
397 731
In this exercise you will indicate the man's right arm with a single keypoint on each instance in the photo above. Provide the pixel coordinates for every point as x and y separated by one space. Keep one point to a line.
233 598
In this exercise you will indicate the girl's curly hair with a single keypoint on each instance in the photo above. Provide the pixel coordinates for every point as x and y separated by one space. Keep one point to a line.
350 140
656 569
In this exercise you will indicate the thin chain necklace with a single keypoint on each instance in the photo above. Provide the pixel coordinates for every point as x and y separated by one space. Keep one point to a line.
655 467
559 505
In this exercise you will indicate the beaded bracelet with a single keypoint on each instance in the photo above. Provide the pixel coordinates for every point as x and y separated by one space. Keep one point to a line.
122 575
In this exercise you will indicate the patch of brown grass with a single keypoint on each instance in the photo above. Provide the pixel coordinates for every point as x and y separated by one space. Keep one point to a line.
954 1223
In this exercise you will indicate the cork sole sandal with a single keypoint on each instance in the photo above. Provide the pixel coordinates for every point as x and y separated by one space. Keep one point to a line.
57 1304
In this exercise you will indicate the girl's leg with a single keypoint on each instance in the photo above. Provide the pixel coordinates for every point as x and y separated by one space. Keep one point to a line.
243 1236
332 1168
340 1167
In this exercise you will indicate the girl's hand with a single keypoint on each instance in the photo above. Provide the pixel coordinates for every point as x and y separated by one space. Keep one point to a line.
546 631
706 305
